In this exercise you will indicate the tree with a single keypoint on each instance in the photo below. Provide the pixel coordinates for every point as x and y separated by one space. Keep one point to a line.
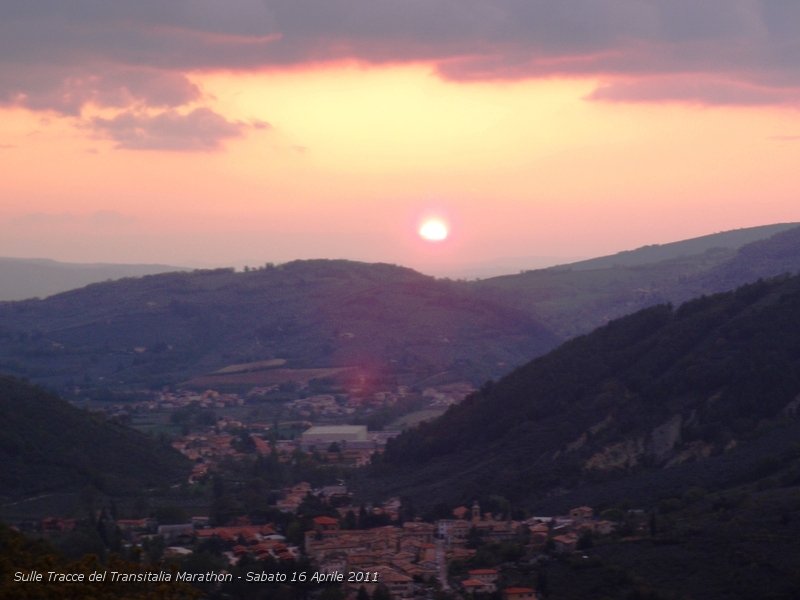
381 593
474 539
333 592
349 521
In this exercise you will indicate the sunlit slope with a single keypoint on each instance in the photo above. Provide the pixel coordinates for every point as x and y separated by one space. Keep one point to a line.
574 299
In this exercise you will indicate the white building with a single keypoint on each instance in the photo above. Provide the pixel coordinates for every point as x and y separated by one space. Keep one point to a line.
322 436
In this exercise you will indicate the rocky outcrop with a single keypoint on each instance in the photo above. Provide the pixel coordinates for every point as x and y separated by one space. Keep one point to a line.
664 438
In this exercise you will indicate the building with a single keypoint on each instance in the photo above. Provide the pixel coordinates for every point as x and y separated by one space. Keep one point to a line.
566 543
453 532
519 593
581 513
486 580
320 437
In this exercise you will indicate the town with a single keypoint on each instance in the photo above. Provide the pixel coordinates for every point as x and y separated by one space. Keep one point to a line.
365 548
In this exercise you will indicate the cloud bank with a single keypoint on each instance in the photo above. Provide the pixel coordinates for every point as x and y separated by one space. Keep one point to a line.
136 56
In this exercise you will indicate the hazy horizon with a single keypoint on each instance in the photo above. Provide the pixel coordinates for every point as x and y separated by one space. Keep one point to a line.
477 269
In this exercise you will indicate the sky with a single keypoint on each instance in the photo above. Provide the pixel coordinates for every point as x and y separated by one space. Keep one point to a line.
209 133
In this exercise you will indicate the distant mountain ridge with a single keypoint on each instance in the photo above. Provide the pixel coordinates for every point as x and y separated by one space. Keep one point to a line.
653 253
22 278
572 301
169 328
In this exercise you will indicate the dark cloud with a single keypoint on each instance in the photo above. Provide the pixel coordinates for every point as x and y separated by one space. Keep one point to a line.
202 129
693 89
68 90
748 49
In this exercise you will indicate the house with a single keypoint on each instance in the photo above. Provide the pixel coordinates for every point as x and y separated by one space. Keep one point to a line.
50 524
323 523
476 586
454 532
604 527
519 593
399 585
200 521
178 552
539 534
322 436
422 532
487 578
566 543
182 532
460 512
581 513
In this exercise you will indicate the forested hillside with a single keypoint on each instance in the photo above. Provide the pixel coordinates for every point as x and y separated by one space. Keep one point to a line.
47 445
164 329
703 394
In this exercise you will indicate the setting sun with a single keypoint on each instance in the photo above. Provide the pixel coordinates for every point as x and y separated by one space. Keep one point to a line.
434 230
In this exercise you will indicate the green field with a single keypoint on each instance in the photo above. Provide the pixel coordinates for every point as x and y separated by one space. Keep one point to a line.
416 417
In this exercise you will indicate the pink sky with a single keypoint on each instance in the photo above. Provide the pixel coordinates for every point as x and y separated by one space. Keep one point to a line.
205 133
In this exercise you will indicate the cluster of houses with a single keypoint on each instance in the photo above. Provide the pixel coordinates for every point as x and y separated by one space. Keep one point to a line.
346 444
238 540
324 407
398 554
419 551
328 406
206 399
400 557
167 401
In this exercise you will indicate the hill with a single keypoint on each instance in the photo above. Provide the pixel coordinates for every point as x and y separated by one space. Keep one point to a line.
168 328
46 445
654 253
647 406
365 320
574 299
22 278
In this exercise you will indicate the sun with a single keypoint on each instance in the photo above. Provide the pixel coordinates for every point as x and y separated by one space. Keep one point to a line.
434 230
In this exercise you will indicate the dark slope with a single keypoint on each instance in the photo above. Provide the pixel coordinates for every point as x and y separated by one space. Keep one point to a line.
574 299
165 328
653 402
47 445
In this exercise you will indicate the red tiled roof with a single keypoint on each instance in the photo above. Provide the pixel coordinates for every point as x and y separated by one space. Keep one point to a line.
483 572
